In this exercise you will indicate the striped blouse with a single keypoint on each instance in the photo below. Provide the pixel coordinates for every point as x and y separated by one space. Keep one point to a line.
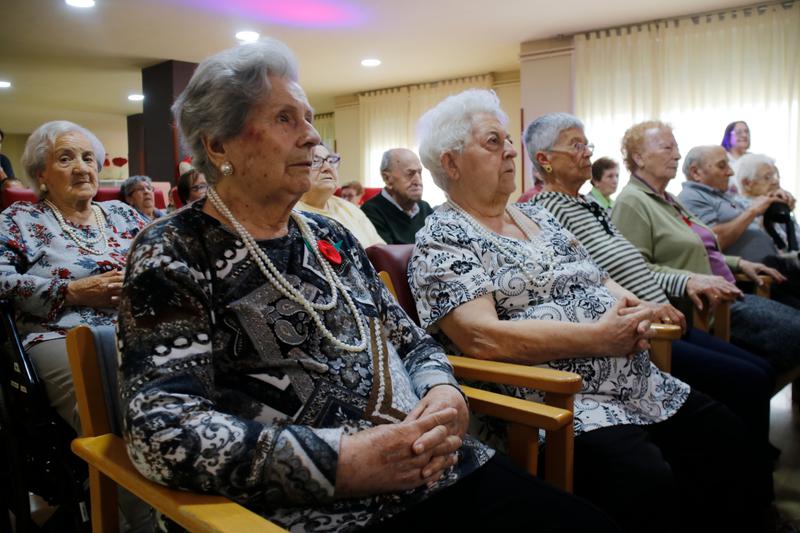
609 248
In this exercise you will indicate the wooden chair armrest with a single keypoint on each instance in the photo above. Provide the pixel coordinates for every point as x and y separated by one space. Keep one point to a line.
525 419
193 511
722 320
543 379
516 410
669 332
762 290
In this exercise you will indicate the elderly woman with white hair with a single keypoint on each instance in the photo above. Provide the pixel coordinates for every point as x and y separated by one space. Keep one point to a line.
62 258
758 176
501 281
263 358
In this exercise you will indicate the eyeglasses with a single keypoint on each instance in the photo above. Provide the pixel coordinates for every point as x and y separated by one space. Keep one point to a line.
576 149
145 188
332 160
199 187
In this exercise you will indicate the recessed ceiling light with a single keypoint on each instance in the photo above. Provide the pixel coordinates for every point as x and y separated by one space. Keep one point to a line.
5 84
135 97
370 62
80 3
247 36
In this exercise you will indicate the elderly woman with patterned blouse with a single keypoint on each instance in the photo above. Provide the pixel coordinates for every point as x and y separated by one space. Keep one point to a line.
506 282
62 258
264 362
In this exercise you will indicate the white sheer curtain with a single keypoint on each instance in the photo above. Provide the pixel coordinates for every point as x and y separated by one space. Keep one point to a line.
324 123
699 74
388 119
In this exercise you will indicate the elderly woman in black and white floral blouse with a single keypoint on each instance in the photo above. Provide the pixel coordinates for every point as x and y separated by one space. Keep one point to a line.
507 282
263 359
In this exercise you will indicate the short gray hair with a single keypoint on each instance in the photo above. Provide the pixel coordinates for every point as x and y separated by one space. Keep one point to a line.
386 159
542 133
41 142
131 182
696 156
446 127
223 90
747 167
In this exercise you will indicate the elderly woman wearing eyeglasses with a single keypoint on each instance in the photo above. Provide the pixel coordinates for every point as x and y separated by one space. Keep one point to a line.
701 360
61 258
139 193
320 199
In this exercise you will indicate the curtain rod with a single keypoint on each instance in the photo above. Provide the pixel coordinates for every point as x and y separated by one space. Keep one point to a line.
745 10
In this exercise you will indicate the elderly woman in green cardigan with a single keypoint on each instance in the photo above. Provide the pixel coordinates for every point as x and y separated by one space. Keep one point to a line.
672 240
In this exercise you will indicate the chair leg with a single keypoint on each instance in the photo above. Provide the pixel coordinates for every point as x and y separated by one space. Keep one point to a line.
104 503
561 444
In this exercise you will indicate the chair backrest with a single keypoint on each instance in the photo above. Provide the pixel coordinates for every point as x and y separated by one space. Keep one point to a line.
393 258
93 360
369 192
103 195
17 195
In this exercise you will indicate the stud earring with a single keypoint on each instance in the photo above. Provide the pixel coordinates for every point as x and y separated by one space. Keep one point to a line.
548 168
226 168
43 187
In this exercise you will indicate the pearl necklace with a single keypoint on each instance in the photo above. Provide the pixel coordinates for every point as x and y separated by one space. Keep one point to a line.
277 280
83 243
510 253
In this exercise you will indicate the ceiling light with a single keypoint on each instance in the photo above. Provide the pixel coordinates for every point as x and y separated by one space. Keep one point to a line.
135 97
5 84
370 62
80 3
247 36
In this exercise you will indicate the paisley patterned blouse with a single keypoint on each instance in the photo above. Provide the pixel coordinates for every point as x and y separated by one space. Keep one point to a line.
37 262
231 388
453 264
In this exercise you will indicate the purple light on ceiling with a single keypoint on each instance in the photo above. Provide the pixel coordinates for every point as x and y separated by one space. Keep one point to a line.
300 13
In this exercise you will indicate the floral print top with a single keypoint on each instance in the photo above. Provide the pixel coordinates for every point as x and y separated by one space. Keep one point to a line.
230 387
38 260
453 264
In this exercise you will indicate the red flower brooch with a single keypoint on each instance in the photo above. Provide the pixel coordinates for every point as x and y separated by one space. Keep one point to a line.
330 251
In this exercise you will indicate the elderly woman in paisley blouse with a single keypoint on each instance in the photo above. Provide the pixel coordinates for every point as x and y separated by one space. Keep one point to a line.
265 363
62 258
506 282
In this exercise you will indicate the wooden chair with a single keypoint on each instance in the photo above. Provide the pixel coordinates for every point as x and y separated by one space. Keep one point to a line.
93 361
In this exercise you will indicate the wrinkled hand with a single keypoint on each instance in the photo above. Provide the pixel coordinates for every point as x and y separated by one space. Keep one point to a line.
716 289
439 398
396 457
625 329
786 197
101 290
667 314
752 270
760 204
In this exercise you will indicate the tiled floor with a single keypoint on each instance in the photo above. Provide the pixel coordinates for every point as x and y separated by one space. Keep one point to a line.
785 434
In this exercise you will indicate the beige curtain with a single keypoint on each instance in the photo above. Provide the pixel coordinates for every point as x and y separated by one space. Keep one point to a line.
324 123
388 119
699 74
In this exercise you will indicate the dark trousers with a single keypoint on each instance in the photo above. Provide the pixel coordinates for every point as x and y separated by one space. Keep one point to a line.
692 472
500 497
742 381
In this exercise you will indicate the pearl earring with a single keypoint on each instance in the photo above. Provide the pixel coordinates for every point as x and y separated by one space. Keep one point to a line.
226 168
43 187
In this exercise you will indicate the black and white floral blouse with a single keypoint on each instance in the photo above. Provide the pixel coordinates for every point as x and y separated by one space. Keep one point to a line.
230 388
38 260
453 264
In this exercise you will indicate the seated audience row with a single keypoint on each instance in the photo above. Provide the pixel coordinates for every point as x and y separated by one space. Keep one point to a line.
279 371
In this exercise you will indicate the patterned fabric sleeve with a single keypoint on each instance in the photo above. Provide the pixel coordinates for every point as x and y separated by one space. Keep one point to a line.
34 295
175 433
445 271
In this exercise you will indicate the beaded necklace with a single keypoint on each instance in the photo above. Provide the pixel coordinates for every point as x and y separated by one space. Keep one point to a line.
509 252
277 280
84 243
